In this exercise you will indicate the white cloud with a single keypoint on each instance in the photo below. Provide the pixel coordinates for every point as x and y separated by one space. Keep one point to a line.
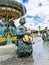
32 9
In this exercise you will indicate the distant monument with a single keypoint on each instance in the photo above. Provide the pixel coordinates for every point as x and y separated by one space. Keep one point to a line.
39 34
45 36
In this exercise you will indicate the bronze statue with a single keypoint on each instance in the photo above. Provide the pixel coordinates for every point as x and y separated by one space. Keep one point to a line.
24 47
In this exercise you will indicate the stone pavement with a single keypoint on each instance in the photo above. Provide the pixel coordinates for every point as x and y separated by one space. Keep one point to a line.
7 51
40 55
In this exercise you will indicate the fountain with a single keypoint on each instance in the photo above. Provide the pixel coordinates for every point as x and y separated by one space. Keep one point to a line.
45 36
12 37
9 11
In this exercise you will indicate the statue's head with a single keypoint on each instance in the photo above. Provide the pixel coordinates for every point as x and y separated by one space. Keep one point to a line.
11 23
22 21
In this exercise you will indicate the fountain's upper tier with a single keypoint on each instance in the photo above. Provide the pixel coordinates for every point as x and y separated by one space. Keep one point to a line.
11 9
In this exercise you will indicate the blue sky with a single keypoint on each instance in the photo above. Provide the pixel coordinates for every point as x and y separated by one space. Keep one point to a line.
37 13
25 1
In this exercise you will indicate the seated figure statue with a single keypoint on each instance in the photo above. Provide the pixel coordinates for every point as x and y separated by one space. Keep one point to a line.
45 36
3 34
24 47
11 32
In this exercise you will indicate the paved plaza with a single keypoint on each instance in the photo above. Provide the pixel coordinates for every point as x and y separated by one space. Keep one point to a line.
40 55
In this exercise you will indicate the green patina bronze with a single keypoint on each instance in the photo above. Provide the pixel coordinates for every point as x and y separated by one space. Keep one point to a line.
3 35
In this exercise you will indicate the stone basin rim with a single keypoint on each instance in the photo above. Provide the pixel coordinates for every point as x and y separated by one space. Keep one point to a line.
17 9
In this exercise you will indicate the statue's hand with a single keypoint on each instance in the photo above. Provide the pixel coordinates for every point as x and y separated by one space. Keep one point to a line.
26 38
